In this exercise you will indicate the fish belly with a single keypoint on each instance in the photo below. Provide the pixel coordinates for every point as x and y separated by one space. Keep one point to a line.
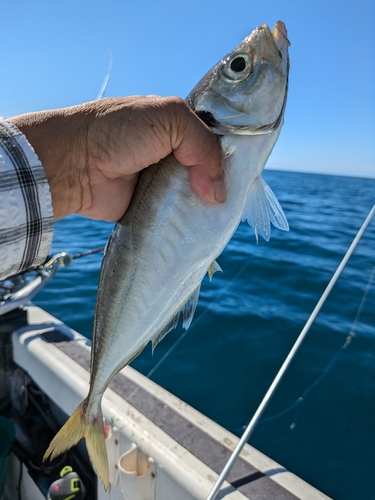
157 256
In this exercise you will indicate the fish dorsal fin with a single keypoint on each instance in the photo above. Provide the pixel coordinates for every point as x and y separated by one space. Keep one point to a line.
262 209
213 268
187 310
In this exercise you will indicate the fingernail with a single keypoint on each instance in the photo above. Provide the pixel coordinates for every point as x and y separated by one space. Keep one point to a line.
220 191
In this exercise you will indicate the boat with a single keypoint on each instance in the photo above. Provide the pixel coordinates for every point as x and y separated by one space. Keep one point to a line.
159 447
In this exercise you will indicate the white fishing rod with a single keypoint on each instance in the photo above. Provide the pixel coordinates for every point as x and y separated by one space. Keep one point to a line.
263 405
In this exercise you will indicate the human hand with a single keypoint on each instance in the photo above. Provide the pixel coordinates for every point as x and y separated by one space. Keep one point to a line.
92 153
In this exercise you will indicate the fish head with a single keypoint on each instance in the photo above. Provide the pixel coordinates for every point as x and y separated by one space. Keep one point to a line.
245 93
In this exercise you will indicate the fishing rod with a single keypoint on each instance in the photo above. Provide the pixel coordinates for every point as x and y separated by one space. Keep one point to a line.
88 252
263 405
18 290
64 259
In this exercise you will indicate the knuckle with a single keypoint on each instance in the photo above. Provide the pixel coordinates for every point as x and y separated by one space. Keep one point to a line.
177 107
175 101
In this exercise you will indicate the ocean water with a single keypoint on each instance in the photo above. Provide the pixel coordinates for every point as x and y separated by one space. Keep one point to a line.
321 422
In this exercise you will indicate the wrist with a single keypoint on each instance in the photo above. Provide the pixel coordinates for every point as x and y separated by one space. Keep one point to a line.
56 137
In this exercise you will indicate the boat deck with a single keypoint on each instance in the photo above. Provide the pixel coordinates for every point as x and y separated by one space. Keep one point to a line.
182 451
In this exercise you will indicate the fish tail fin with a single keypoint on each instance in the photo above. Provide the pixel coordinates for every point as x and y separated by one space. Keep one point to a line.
91 429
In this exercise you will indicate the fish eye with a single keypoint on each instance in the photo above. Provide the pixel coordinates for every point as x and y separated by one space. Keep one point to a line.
237 66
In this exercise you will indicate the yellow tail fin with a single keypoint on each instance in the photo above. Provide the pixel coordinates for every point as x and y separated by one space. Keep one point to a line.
78 427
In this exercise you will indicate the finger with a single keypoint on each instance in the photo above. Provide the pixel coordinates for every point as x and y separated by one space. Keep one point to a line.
195 146
208 190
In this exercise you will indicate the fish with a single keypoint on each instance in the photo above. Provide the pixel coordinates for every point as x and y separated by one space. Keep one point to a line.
169 238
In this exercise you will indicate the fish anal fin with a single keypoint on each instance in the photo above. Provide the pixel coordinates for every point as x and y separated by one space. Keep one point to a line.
189 307
171 325
187 310
262 209
214 266
78 427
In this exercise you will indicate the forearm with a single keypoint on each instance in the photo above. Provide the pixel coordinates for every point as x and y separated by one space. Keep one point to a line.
56 138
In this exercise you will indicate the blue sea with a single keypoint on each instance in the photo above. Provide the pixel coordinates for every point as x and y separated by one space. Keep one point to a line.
321 422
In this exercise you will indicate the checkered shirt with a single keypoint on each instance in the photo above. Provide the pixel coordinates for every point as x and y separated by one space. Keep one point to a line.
26 216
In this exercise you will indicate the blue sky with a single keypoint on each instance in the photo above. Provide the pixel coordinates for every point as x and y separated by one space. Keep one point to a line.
55 53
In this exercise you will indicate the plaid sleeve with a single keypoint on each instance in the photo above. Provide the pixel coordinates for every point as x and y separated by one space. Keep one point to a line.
26 216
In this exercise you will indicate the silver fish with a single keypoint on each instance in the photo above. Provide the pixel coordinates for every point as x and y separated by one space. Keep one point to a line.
169 238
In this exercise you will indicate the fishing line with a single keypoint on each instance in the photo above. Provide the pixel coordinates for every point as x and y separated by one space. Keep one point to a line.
195 322
333 361
364 298
106 78
198 319
276 382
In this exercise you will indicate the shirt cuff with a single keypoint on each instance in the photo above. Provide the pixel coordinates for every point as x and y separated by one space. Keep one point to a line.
26 215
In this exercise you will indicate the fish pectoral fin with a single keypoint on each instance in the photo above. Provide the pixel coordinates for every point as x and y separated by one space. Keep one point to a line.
262 209
187 310
214 266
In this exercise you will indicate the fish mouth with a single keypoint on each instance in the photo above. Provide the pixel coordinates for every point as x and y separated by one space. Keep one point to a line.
208 118
280 34
243 107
